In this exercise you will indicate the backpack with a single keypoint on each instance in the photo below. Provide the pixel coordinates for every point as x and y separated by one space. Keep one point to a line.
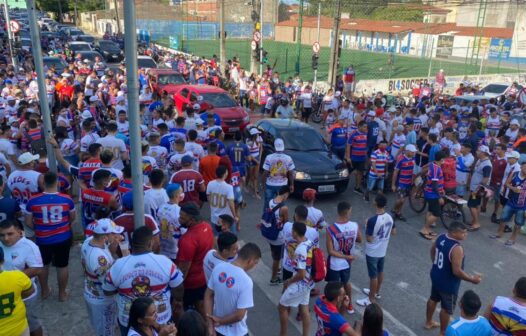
318 265
270 228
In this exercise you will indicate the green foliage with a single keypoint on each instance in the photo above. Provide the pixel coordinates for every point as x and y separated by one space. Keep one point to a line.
69 5
398 13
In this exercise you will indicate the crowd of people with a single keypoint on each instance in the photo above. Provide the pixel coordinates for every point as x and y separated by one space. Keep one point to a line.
183 274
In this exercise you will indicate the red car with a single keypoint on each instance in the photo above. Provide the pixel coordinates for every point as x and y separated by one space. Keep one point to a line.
165 80
233 116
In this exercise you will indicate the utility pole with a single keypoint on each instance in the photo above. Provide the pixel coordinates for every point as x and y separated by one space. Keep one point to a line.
261 42
132 82
333 62
60 14
317 40
10 37
117 15
76 14
298 38
42 91
222 51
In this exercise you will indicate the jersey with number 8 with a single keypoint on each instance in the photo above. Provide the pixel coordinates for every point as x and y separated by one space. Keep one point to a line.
442 276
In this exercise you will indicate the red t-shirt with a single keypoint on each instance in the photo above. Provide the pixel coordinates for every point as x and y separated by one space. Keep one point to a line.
191 181
208 166
193 247
497 170
449 172
126 221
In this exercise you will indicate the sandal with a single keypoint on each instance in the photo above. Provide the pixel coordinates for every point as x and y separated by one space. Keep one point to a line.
494 236
425 236
509 243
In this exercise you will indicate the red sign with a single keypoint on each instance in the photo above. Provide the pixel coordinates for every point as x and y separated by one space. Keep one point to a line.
315 47
257 36
15 26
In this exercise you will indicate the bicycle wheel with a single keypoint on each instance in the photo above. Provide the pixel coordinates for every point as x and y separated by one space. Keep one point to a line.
452 212
316 116
416 198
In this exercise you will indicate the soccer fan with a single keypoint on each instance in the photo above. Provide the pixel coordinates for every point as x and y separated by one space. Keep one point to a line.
434 195
50 214
380 158
340 239
229 293
141 323
447 256
480 178
465 161
143 273
403 179
209 163
469 322
220 195
16 286
87 167
9 208
281 212
227 248
96 197
329 310
97 256
193 246
507 315
315 218
191 181
156 196
278 171
22 254
168 216
115 145
356 153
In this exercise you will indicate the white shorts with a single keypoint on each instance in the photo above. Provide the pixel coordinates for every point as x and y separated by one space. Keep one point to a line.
295 295
103 317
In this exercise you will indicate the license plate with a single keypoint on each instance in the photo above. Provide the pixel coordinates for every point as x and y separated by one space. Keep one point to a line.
234 129
113 56
326 188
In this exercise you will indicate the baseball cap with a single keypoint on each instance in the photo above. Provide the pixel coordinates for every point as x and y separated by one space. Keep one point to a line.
410 148
513 122
371 114
279 145
86 115
254 131
337 93
484 149
120 99
107 226
93 99
309 194
172 188
12 120
127 201
199 121
10 98
197 107
187 159
513 155
27 158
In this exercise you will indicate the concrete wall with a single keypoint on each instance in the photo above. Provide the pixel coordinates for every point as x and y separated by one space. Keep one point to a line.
498 13
518 45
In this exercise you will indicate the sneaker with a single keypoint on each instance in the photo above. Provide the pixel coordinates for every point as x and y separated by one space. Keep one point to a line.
366 198
350 309
276 282
400 217
482 210
507 228
494 218
363 302
358 191
366 291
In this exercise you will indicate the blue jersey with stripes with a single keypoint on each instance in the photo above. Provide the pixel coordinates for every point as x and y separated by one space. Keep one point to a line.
442 277
358 142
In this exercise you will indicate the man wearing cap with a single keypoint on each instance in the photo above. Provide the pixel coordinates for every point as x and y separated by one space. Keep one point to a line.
11 109
278 171
168 216
51 215
191 181
480 178
193 247
97 256
22 254
315 217
513 130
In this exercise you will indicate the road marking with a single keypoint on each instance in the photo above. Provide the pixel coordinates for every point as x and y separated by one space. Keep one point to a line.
498 266
402 285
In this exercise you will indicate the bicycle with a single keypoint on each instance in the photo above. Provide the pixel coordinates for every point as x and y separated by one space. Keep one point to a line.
452 210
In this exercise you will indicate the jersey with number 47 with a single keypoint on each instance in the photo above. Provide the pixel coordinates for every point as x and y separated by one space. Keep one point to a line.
379 227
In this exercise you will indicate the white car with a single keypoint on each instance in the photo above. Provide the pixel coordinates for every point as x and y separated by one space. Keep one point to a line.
25 43
494 90
79 46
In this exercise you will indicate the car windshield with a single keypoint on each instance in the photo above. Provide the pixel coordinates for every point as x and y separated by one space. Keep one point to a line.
75 32
303 139
219 99
171 79
108 45
88 38
80 47
495 88
89 56
146 63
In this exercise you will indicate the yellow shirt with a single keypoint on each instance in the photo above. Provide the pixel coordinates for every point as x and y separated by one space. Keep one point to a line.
12 309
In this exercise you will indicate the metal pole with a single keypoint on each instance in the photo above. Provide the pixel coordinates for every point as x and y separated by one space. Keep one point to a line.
261 42
132 82
431 58
76 14
333 62
298 38
317 40
10 37
42 91
222 51
117 16
481 66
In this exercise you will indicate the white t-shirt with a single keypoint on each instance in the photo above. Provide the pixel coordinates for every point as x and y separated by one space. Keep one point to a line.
278 165
8 149
210 262
290 244
171 230
219 193
233 290
315 218
23 184
146 274
159 153
197 151
96 262
174 164
153 199
117 146
23 254
379 227
343 237
87 140
124 127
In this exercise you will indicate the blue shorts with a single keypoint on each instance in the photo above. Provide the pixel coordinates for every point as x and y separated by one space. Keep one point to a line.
375 181
461 190
375 265
241 169
238 195
509 211
342 276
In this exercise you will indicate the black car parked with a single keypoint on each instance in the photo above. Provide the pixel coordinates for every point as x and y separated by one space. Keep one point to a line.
316 166
109 50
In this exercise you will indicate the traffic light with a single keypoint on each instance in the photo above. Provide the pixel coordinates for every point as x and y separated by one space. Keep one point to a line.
315 58
256 53
265 57
339 48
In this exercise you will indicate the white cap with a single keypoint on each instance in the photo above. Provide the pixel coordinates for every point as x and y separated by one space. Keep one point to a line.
199 121
10 98
120 99
254 131
371 114
279 145
86 115
86 60
93 99
513 155
484 149
337 94
66 75
27 158
12 120
196 107
120 93
410 148
513 122
106 226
